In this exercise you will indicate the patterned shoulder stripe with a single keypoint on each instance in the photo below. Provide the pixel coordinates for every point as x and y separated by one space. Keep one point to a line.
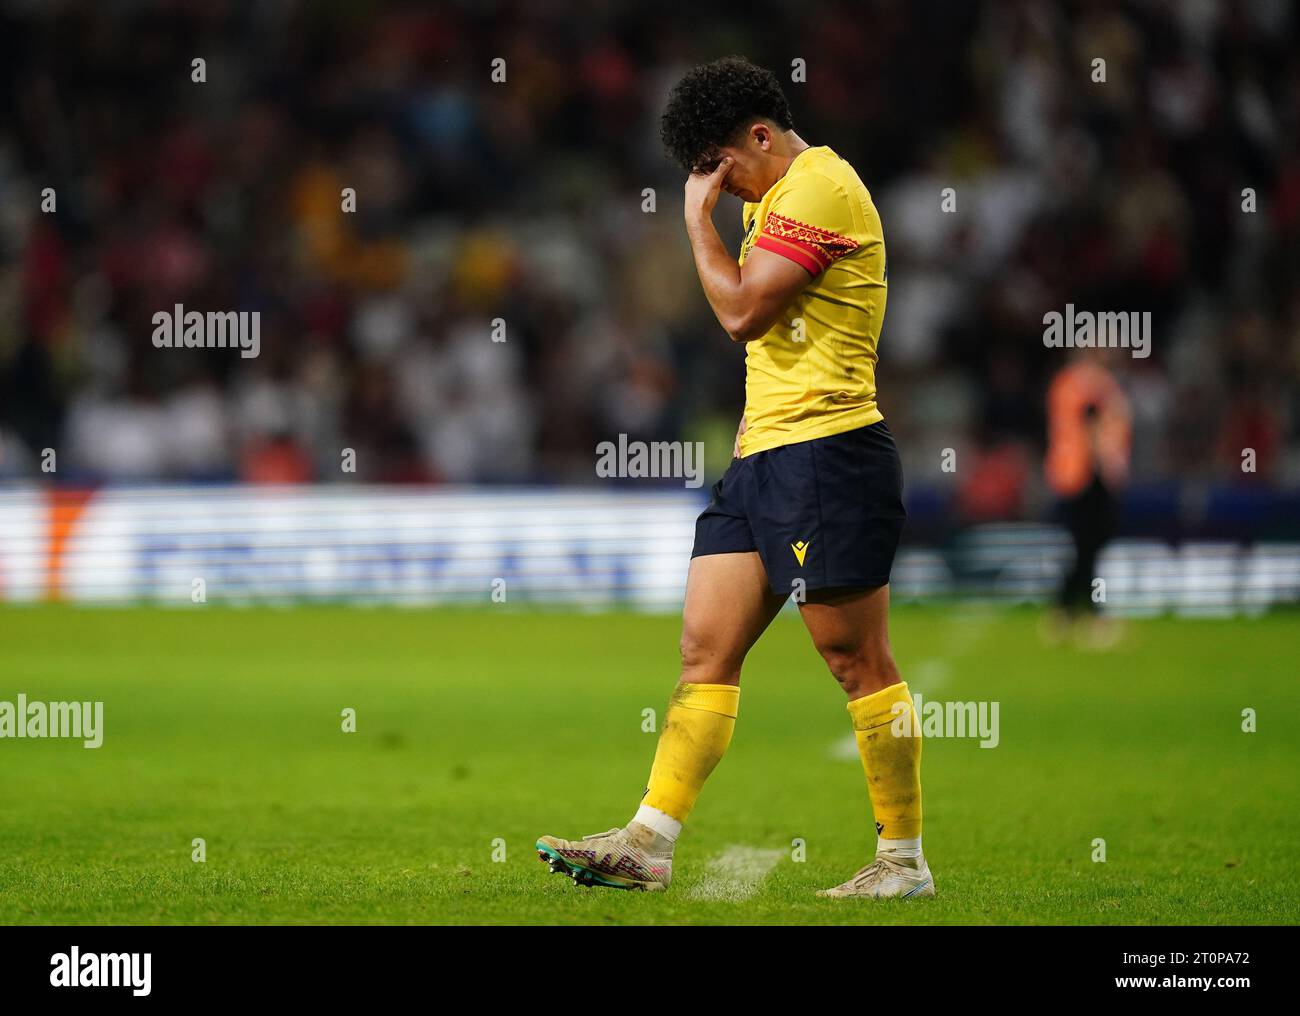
824 246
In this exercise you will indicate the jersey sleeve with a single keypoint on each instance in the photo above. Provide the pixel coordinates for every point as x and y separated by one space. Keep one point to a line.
811 223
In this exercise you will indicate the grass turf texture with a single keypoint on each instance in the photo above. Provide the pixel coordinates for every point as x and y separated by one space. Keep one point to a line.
472 726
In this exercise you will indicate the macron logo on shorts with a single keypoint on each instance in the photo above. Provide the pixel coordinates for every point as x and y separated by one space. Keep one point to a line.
800 550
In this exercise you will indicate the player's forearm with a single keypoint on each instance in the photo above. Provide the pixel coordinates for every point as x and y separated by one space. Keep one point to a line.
720 277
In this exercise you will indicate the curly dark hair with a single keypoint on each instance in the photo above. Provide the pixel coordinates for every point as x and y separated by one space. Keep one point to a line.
713 102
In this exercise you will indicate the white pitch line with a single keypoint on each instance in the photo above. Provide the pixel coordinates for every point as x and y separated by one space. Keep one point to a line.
930 675
845 749
735 874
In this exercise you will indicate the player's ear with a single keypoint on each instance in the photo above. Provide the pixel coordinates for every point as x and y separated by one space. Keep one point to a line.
762 135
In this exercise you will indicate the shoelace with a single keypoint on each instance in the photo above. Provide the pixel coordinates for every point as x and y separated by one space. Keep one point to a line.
874 871
864 875
877 870
601 836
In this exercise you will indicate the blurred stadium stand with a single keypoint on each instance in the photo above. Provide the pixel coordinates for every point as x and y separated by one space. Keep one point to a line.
523 201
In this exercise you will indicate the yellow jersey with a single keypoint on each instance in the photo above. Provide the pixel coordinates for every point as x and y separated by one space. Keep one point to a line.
813 373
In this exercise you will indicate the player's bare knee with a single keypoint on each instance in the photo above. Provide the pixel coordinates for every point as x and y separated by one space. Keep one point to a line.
860 669
693 650
703 660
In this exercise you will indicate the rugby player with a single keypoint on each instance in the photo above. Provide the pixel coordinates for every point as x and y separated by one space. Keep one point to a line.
812 502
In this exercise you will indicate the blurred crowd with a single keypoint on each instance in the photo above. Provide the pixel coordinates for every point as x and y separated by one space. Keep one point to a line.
514 285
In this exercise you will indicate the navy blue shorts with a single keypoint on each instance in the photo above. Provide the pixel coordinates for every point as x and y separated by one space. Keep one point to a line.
828 511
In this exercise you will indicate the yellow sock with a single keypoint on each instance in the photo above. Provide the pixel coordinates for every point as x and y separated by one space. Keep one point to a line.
892 762
697 730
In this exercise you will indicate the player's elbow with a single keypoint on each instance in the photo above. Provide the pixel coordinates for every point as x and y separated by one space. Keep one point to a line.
745 327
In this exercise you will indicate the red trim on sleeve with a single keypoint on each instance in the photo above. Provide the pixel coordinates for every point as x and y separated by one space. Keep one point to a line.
795 253
813 248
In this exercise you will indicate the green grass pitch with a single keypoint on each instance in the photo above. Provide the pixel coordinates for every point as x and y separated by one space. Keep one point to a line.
475 727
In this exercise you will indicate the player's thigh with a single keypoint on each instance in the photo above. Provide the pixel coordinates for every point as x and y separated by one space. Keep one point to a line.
850 628
728 606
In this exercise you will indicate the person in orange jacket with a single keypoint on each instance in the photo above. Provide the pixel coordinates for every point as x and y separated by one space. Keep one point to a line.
1088 444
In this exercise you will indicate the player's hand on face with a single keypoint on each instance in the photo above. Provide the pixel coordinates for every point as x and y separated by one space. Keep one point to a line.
702 188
